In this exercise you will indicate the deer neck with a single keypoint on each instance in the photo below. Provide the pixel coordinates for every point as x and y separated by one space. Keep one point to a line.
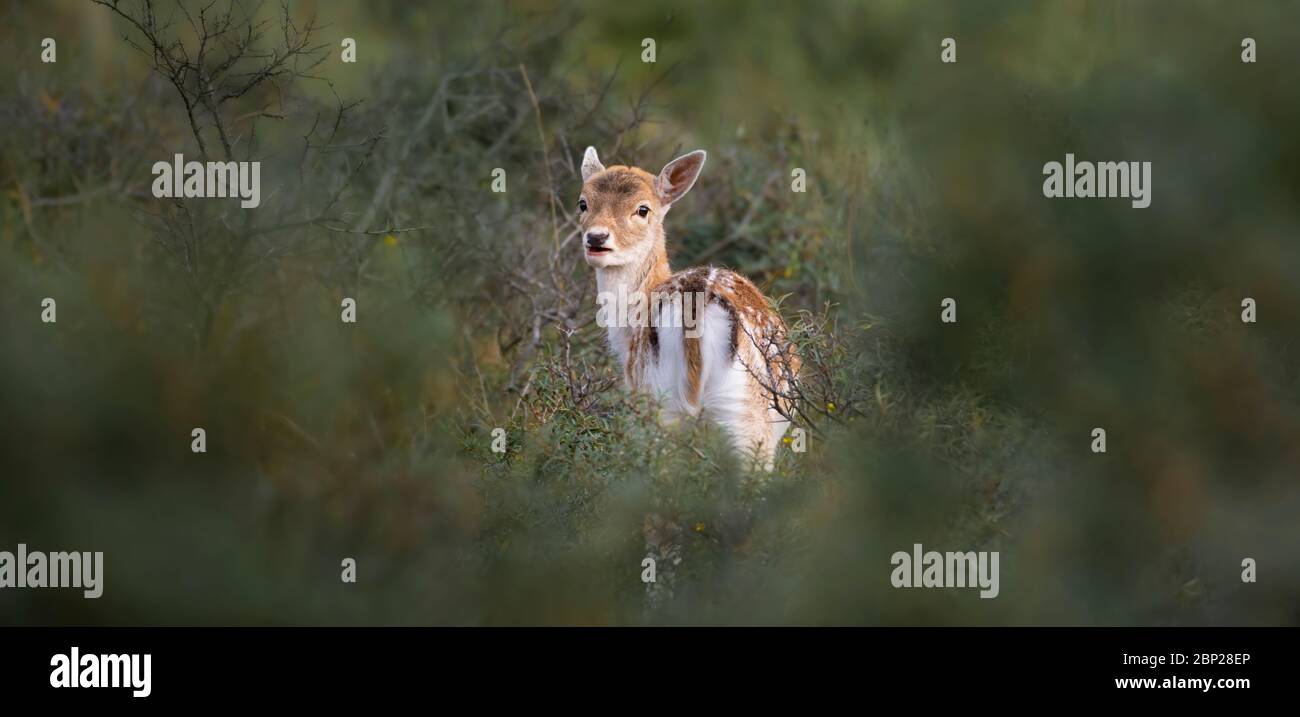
623 284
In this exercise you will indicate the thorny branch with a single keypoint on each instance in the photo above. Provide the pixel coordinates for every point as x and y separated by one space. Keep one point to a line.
232 67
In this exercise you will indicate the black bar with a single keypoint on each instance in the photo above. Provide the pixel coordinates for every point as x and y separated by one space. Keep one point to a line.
330 666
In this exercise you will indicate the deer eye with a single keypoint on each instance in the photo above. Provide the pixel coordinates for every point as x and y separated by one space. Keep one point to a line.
582 205
643 211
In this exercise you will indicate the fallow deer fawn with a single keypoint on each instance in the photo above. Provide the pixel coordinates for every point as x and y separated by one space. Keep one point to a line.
728 360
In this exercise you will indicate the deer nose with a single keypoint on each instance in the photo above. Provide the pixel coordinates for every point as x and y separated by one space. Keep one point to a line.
597 238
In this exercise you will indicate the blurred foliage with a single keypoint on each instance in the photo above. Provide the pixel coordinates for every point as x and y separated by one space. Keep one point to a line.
373 440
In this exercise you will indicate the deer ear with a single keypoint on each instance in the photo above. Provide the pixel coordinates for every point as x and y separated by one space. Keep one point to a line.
591 165
679 176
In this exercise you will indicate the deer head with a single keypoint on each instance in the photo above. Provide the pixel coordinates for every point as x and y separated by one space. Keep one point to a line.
622 209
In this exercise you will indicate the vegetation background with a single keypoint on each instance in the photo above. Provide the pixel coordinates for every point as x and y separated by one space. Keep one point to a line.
371 440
